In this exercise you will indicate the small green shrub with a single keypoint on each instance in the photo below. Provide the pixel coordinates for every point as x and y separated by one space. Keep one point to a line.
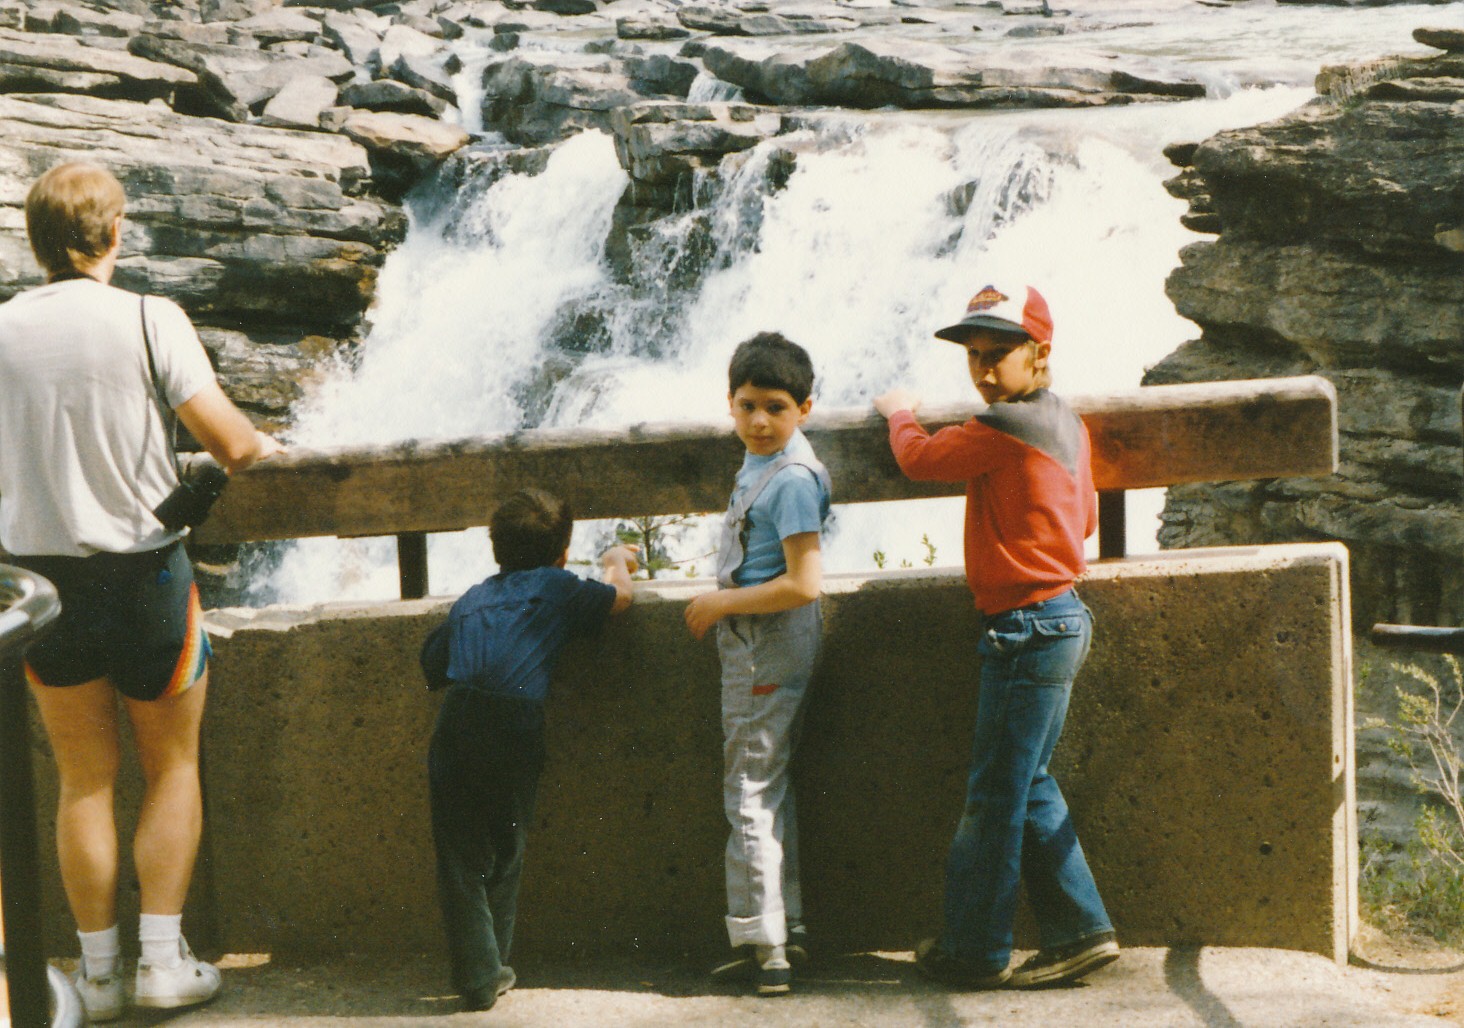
1421 888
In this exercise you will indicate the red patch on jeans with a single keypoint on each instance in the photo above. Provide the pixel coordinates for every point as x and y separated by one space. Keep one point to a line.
764 690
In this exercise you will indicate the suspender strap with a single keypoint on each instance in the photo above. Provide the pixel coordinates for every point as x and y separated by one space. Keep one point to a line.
743 504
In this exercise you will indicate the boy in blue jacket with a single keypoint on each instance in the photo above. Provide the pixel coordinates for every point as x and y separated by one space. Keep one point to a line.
494 654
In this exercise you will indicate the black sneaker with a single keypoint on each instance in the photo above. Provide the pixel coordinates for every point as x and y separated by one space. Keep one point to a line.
1067 963
938 965
484 997
774 974
797 943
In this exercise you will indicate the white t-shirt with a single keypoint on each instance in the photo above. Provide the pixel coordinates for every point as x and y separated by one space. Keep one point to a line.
83 454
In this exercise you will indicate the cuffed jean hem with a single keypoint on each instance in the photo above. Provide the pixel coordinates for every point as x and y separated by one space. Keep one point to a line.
762 930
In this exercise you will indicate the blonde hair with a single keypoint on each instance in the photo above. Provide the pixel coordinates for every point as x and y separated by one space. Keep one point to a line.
69 213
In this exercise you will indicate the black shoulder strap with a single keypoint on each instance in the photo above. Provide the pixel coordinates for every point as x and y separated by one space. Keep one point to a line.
170 419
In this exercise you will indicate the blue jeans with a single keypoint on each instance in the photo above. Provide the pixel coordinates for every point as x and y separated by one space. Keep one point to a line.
1016 824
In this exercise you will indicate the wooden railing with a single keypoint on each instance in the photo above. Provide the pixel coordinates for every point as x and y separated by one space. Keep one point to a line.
1148 437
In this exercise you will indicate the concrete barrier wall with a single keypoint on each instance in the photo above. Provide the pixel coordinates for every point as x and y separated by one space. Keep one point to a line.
1207 759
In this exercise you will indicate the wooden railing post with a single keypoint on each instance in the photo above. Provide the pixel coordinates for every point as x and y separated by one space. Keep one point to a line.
412 564
1112 524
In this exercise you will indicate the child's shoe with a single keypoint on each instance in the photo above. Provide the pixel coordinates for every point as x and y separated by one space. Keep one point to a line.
774 974
188 982
1067 963
938 965
797 943
100 995
484 998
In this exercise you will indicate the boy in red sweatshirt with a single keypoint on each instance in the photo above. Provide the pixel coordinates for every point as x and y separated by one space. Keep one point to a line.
1029 505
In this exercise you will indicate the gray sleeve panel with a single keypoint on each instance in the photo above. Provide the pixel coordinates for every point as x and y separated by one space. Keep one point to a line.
1044 422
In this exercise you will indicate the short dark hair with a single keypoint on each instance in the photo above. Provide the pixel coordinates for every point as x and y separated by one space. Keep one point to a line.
770 361
530 529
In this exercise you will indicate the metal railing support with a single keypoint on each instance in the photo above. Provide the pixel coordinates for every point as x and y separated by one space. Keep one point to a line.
32 607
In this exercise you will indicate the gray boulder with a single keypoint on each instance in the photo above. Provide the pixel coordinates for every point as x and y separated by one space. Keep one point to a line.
232 10
399 41
426 74
719 21
913 74
566 7
421 23
79 20
409 138
650 25
300 103
658 142
277 25
351 36
1448 39
390 95
235 81
537 98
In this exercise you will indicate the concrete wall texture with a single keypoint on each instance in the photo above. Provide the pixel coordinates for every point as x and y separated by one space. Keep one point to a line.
1207 759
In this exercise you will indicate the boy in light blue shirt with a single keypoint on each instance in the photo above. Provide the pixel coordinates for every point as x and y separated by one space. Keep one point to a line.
766 612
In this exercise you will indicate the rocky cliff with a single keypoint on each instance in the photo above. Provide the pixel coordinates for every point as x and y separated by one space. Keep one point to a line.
1340 252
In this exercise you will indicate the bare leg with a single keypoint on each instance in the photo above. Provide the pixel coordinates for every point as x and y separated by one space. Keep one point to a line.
171 819
81 723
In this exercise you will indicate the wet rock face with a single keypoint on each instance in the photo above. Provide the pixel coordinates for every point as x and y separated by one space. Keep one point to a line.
1339 253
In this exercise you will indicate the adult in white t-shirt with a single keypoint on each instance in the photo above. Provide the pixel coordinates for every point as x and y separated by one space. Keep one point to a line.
84 460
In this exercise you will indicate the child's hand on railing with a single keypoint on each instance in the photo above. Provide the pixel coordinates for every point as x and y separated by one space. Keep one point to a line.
897 400
626 556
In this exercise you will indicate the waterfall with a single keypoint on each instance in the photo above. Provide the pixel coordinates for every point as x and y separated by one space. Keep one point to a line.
500 310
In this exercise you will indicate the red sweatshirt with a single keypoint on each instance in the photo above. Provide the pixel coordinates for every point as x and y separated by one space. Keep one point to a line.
1029 494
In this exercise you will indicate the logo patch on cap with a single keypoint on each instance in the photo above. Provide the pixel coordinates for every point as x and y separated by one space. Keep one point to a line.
986 299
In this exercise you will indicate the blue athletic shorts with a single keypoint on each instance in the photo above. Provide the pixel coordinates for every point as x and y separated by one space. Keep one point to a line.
134 618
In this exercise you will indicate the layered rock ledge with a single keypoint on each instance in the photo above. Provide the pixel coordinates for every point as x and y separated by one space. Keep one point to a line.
1340 252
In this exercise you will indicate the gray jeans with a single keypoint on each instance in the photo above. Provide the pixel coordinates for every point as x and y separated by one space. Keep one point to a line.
767 661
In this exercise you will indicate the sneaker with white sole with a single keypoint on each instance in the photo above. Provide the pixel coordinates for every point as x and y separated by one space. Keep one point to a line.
774 975
186 983
797 943
1067 963
100 995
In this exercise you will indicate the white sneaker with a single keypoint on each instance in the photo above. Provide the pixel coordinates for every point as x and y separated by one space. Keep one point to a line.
187 982
101 996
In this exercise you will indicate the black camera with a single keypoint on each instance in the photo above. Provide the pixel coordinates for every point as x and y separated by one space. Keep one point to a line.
189 504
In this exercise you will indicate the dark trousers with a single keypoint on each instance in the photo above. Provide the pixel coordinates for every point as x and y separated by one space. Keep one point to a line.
483 773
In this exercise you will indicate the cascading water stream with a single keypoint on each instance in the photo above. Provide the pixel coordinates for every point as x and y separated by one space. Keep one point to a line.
499 311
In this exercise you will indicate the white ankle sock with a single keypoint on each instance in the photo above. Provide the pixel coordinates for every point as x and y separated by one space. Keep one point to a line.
774 955
101 951
160 935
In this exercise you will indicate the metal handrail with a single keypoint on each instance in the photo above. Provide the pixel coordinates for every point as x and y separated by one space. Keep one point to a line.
30 607
1425 638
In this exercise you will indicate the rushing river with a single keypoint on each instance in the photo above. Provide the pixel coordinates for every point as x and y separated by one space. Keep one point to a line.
482 313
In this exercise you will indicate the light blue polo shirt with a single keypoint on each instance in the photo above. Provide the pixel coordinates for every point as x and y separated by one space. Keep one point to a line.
792 503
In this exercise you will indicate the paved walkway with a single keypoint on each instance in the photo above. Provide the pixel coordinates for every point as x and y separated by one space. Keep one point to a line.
1216 988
